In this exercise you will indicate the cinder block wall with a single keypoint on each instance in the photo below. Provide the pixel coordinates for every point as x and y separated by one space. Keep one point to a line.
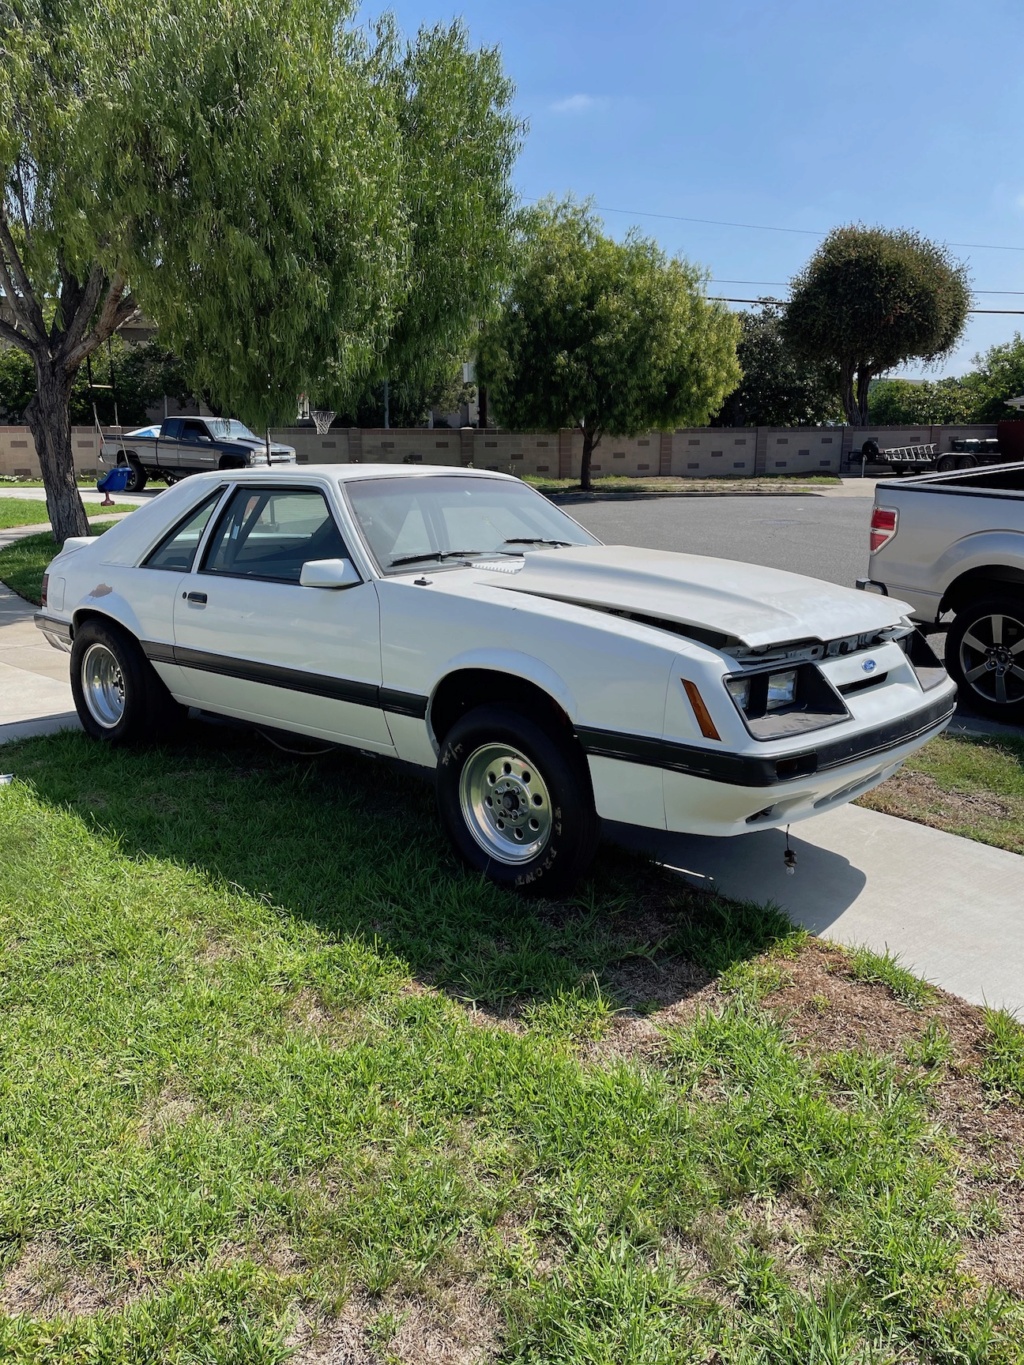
714 452
18 452
698 452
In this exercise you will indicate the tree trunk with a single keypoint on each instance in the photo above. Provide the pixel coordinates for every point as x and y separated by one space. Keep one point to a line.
49 419
846 374
590 442
864 377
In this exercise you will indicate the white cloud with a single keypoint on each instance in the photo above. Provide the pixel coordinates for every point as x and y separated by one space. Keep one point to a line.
578 104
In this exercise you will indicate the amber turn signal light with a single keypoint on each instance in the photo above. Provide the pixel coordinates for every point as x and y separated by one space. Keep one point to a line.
707 725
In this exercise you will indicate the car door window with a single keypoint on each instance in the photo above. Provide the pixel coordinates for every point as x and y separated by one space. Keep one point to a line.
178 549
270 535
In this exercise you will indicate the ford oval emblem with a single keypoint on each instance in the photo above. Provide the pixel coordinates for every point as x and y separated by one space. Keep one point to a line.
869 665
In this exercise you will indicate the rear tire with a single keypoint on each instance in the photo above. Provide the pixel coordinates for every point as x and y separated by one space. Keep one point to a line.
137 478
945 464
966 462
118 696
516 801
985 656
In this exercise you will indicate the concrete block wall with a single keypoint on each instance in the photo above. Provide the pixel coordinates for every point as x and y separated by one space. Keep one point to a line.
18 452
800 450
698 452
714 452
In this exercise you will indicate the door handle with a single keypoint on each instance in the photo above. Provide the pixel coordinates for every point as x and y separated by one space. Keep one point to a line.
199 597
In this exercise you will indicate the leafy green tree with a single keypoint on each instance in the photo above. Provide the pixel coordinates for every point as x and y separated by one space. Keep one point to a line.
999 375
870 299
410 399
258 174
778 389
614 338
17 383
899 403
127 380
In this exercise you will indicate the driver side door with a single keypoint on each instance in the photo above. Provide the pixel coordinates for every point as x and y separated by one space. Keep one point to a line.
252 642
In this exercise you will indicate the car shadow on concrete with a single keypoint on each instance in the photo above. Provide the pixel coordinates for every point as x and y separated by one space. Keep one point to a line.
821 887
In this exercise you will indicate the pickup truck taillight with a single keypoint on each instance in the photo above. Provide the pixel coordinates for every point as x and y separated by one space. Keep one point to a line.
42 595
884 521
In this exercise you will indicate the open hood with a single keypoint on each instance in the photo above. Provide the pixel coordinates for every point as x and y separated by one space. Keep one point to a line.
757 607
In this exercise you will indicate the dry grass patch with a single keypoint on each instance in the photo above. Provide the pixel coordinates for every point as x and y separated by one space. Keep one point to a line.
42 1283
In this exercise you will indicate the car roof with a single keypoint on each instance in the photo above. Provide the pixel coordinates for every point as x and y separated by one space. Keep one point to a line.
346 473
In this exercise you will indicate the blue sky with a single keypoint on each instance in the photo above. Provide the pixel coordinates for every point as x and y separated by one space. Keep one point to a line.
796 114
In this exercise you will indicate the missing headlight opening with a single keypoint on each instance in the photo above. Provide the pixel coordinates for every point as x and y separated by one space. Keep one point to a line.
785 702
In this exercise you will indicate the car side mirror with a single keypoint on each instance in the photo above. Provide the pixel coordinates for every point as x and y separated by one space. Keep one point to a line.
329 573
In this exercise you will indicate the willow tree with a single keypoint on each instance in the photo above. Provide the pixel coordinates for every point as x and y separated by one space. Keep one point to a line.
257 176
614 338
870 299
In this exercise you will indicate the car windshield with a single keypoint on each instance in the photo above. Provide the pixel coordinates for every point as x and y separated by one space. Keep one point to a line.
447 518
226 429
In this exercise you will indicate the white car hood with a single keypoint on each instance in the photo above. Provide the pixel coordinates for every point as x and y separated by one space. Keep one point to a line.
755 605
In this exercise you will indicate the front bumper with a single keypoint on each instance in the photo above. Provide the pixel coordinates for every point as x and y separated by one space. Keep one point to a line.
708 791
258 459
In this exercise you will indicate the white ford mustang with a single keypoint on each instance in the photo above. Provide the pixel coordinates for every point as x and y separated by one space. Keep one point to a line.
459 621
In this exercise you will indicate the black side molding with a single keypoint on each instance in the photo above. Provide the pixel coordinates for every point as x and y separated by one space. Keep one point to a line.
751 770
290 679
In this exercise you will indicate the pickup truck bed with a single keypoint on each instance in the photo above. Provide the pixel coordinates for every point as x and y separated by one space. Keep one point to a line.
954 544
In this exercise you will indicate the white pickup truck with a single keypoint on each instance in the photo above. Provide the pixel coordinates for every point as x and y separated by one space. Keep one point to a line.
954 544
189 445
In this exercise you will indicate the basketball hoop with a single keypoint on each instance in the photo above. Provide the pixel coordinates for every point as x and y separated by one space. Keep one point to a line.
322 420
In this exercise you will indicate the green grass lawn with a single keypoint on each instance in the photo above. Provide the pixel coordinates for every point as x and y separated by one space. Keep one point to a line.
615 483
23 563
971 785
278 1077
23 512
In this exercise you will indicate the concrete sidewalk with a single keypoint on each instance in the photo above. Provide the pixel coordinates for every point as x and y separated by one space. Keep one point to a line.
35 694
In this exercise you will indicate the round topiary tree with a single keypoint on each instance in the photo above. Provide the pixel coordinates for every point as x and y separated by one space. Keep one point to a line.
870 299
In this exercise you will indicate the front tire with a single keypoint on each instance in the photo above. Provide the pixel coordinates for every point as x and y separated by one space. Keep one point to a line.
118 696
516 802
985 655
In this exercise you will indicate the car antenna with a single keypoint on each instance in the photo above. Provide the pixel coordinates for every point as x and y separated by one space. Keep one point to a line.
789 857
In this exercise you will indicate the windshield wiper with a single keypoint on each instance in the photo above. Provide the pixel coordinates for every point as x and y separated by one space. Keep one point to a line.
434 554
537 540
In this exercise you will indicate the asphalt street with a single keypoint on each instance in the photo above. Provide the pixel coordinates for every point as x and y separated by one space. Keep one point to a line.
819 536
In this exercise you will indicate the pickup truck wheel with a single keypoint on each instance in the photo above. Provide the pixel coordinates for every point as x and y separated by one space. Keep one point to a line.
985 655
137 477
515 799
118 696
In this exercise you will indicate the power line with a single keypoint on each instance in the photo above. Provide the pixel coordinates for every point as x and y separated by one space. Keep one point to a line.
784 284
769 227
717 298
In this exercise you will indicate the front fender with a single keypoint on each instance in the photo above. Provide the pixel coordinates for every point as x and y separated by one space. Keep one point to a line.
519 665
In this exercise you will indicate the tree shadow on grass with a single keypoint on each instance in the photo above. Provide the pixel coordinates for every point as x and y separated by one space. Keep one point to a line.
354 846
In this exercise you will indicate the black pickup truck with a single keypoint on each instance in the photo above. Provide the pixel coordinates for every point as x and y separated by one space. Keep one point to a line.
189 445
